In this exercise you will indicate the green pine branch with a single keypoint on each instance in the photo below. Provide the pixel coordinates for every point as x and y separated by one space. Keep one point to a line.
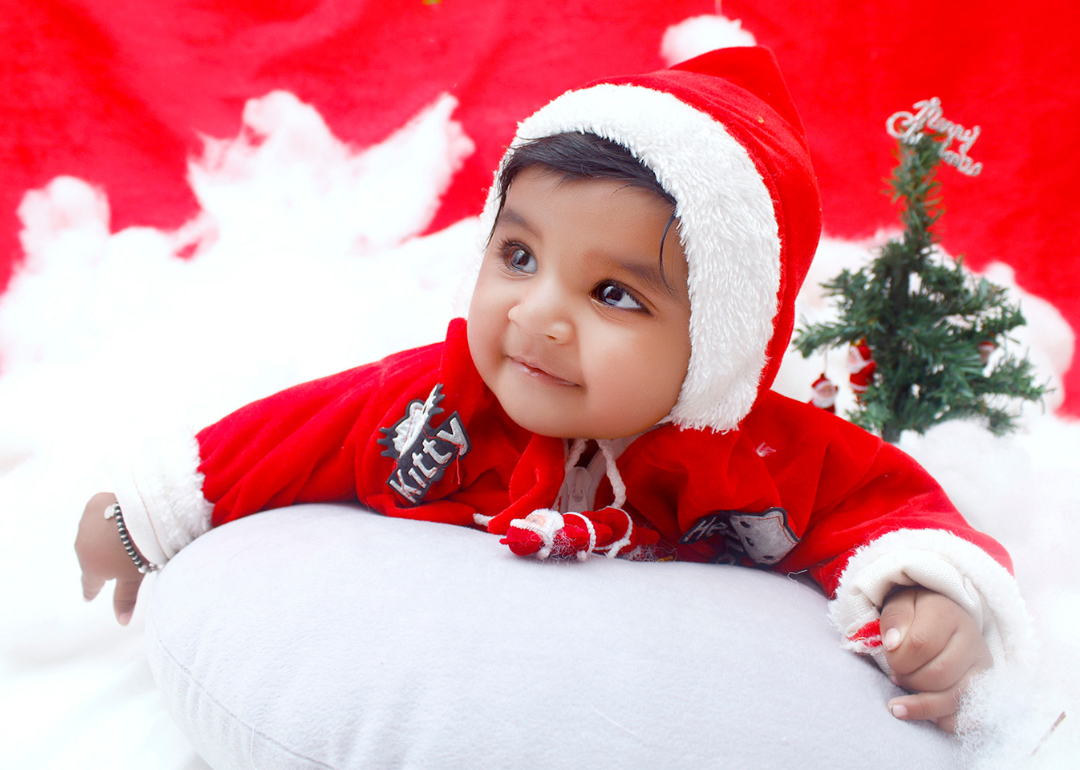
924 319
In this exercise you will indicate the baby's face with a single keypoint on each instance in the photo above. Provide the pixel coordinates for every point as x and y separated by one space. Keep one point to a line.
571 323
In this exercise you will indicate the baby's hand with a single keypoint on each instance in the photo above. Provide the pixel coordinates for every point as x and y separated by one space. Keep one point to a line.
102 557
934 649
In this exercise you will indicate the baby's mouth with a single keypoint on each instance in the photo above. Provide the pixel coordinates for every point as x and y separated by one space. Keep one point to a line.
539 373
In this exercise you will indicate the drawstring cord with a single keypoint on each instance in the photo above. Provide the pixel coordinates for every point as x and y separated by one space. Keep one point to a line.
617 485
577 449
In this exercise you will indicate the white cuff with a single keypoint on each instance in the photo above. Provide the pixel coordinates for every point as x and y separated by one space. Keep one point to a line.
159 489
942 562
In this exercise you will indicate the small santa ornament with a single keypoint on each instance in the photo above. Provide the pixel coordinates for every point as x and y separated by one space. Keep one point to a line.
986 349
824 394
861 366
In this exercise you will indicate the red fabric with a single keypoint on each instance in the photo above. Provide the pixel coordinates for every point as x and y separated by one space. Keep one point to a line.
870 634
117 93
839 486
317 442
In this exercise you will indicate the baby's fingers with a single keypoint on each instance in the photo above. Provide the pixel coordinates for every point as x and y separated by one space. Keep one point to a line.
125 596
940 707
91 585
964 652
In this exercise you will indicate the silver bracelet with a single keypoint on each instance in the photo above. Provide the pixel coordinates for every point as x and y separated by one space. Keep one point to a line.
141 564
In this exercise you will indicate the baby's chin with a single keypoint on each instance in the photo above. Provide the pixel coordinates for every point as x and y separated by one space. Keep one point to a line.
594 431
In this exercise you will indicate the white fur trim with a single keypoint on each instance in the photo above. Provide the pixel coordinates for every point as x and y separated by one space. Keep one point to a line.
160 493
945 563
734 261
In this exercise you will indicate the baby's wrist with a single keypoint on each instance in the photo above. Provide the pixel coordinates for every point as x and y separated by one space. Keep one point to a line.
142 564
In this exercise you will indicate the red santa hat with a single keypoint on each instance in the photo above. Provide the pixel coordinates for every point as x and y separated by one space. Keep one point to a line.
723 138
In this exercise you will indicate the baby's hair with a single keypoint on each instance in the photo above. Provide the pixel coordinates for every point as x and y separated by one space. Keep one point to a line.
582 155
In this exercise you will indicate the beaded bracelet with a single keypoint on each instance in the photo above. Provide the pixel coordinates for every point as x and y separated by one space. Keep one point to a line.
144 566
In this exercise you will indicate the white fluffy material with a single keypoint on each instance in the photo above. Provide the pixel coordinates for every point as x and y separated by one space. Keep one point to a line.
161 475
734 262
945 563
702 34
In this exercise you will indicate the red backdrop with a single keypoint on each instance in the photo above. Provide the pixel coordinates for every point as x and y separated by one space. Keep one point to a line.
117 92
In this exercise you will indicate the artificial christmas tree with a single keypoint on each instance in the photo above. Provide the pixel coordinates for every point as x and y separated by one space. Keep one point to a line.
932 335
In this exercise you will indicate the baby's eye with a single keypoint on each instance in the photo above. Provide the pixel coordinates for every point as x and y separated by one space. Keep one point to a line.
614 295
520 259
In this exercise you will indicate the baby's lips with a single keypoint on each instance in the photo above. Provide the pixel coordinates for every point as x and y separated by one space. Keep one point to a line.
537 370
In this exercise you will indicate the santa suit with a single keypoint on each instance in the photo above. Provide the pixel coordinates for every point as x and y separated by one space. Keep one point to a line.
736 473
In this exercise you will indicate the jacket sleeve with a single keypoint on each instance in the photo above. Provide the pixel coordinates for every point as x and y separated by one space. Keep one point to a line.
880 520
314 442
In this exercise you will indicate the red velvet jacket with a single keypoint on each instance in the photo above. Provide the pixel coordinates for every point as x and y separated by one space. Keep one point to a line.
794 487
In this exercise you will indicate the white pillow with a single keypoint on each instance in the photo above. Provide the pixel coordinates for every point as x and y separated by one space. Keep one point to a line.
330 637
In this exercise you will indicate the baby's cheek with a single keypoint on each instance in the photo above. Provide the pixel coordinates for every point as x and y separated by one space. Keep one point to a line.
636 399
482 348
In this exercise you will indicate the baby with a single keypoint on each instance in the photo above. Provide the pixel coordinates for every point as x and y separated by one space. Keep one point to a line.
609 392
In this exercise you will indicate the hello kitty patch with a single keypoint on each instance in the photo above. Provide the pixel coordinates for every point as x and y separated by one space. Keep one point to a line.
764 538
422 453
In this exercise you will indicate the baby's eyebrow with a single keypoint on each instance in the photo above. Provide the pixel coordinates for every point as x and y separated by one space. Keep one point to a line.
649 274
510 216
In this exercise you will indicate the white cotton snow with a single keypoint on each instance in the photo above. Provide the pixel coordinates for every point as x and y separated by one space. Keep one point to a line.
307 260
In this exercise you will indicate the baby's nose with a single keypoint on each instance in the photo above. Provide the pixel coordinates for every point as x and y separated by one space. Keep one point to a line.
542 312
